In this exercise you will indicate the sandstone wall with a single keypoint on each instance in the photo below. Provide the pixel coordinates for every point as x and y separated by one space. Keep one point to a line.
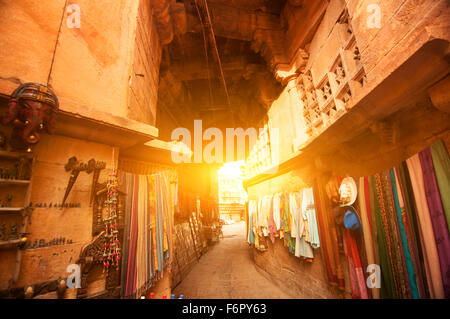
49 183
92 68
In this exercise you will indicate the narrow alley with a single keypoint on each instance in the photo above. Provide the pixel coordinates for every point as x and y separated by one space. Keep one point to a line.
224 149
227 271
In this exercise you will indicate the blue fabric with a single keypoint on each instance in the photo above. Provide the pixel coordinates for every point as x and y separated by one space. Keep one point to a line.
408 261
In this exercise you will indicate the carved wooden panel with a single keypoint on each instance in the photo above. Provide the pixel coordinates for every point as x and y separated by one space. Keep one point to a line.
91 256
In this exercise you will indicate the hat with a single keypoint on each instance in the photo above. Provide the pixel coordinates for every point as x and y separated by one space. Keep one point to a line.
348 191
351 219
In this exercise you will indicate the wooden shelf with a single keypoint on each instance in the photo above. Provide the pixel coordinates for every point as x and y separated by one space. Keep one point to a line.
9 244
13 181
15 154
11 209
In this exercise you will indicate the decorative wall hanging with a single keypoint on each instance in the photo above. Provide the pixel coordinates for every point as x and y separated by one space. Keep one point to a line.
111 253
32 107
99 208
76 167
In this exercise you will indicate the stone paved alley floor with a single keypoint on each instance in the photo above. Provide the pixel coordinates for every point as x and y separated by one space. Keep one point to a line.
227 271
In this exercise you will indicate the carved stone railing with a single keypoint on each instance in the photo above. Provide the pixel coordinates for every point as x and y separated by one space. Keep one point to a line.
324 103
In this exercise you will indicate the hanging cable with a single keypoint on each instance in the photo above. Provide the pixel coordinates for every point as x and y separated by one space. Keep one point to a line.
215 50
205 46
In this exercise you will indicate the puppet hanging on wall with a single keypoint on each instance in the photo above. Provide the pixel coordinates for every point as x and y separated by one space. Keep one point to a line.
32 107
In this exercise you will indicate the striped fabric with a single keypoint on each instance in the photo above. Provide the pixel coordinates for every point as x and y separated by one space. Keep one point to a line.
148 210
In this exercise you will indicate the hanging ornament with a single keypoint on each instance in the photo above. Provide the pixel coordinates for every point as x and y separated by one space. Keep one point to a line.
111 253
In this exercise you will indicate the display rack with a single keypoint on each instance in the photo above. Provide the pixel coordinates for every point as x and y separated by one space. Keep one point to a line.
24 185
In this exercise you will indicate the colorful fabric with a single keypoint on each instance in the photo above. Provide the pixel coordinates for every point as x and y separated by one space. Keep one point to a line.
400 219
309 213
276 210
367 230
431 257
388 290
148 206
328 235
439 223
412 215
441 163
359 290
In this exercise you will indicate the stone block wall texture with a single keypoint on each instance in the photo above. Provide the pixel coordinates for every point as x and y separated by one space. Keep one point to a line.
301 279
92 68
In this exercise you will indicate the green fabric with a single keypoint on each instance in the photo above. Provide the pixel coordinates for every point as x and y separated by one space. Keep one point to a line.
408 260
441 163
412 216
387 278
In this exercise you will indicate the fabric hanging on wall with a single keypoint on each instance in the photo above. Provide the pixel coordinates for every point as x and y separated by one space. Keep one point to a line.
404 229
417 242
148 229
309 213
329 244
127 180
367 229
302 248
387 277
404 240
276 210
391 232
358 281
432 265
441 163
284 214
131 271
159 223
413 266
437 215
272 225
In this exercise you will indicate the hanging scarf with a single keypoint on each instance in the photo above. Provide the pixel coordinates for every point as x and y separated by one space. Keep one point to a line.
359 290
432 265
441 163
272 225
391 232
309 213
387 286
127 180
131 271
328 236
276 211
367 230
416 242
437 215
400 219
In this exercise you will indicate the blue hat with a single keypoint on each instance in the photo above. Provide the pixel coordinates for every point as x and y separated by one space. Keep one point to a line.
351 219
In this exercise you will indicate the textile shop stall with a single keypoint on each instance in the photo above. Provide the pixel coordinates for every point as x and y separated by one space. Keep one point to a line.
148 244
379 236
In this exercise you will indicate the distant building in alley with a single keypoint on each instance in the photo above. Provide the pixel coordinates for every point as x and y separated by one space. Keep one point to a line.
232 196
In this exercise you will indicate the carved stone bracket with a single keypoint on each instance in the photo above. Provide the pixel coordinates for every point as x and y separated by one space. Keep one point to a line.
271 45
170 19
